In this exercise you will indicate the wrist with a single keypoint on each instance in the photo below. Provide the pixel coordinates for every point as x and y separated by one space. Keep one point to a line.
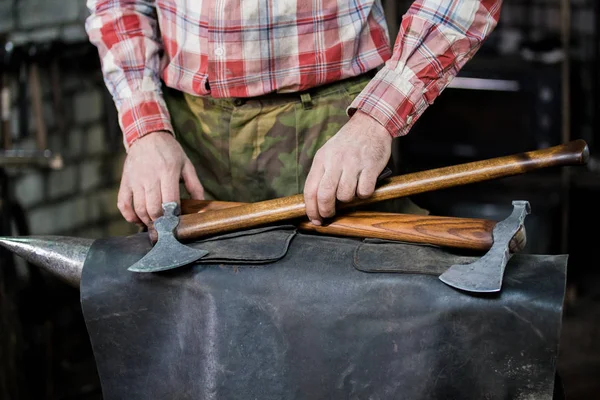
374 127
153 136
158 133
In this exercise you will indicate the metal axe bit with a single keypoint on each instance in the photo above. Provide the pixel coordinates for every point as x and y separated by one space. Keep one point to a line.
485 275
168 252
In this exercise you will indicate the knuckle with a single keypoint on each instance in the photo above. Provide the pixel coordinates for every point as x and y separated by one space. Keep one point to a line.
345 196
310 208
346 191
124 206
325 196
327 187
363 193
154 212
328 213
141 212
309 193
171 168
152 193
326 207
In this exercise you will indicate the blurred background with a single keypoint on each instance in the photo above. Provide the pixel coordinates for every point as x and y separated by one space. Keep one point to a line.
535 83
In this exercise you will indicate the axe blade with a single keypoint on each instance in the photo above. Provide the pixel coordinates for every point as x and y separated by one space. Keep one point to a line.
168 252
486 274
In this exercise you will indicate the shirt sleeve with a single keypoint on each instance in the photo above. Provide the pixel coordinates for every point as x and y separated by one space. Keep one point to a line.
435 40
126 35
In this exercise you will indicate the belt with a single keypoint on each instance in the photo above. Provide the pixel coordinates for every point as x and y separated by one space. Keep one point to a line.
302 95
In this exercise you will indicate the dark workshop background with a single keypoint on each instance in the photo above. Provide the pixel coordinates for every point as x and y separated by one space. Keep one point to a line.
534 84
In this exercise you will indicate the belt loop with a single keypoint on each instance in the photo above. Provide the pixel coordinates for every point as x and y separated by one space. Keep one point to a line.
306 101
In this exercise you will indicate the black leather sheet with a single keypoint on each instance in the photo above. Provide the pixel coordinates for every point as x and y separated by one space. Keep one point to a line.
321 318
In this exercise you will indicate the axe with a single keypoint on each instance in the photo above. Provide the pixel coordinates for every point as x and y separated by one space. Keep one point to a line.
460 233
168 252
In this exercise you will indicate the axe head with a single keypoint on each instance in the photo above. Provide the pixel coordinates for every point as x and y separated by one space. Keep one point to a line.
168 252
485 275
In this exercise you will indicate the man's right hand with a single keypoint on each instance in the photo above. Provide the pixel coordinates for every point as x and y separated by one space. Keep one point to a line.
151 173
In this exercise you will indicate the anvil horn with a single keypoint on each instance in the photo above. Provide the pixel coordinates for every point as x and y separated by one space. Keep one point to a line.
62 256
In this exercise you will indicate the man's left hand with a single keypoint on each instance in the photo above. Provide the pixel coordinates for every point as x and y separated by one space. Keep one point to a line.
347 166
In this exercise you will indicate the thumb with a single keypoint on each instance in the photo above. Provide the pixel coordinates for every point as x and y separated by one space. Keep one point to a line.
191 181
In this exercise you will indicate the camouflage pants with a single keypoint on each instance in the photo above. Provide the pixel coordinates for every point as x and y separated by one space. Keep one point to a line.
259 148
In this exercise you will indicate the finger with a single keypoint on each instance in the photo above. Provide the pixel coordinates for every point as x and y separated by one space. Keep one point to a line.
191 181
366 183
125 204
327 191
310 193
139 205
153 200
346 190
169 188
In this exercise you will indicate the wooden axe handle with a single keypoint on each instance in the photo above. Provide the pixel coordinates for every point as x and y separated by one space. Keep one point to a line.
462 233
193 226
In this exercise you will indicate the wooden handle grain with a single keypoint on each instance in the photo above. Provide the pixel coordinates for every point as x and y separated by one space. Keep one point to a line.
193 226
461 233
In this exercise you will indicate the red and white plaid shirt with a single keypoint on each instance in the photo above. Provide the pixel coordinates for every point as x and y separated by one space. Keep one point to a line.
244 48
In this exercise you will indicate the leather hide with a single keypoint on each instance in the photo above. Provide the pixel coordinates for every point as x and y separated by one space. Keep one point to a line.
275 314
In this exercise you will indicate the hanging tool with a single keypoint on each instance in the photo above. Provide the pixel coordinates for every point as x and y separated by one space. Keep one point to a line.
57 95
35 91
41 157
6 49
30 158
22 60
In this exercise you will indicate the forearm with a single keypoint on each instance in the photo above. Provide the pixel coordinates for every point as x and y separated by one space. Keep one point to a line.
126 35
436 39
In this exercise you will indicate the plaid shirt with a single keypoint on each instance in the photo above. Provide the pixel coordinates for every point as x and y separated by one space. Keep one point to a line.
244 48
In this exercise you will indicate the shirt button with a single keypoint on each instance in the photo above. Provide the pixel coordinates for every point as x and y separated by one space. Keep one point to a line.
219 51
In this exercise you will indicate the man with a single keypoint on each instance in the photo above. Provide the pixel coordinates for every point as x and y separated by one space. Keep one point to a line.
270 98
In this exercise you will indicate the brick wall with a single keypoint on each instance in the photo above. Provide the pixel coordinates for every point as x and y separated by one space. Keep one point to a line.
79 199
43 19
